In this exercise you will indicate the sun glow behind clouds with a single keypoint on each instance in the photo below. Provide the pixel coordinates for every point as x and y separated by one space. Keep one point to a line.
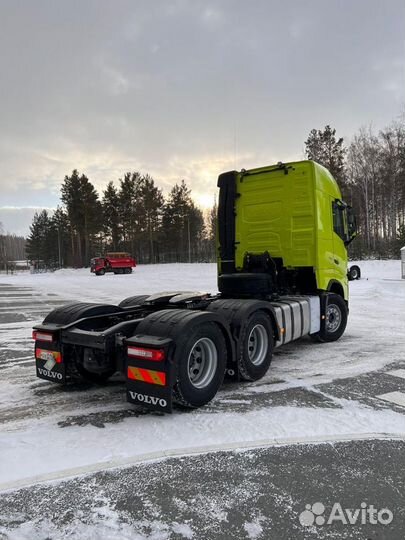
200 175
204 200
175 89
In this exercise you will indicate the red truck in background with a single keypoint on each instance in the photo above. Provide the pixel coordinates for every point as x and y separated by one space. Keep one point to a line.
117 262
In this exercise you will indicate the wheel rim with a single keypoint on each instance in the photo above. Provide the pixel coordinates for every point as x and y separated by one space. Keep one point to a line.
354 274
258 344
202 362
333 318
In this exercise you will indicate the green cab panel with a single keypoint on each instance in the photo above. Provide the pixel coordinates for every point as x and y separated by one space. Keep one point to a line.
288 211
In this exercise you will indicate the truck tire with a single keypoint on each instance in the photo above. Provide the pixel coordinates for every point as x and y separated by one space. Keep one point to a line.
132 301
256 347
354 273
73 312
201 366
334 324
100 272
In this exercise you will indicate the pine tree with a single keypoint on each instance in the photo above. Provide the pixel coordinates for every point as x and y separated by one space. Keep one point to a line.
174 225
151 209
111 216
182 224
38 246
129 209
212 220
325 149
196 230
60 224
84 211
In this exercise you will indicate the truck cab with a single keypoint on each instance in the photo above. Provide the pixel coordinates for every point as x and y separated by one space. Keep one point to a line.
283 229
96 264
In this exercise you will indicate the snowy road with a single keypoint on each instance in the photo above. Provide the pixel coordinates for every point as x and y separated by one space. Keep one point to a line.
351 389
254 494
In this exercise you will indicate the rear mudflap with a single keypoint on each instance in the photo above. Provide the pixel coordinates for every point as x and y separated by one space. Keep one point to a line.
150 397
49 364
150 382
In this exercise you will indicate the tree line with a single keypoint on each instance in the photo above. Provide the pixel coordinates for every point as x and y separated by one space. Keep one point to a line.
132 216
12 248
371 174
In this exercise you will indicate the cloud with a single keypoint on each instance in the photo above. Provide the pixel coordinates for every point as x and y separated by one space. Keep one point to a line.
184 89
18 220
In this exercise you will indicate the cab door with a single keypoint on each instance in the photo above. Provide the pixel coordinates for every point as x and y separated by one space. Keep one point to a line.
340 239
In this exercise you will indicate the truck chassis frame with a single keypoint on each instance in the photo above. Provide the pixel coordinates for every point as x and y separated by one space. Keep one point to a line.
177 347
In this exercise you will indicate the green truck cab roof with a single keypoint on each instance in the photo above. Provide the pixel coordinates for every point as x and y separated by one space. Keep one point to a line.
324 181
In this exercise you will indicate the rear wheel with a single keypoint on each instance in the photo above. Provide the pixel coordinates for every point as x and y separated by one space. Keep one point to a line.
256 347
201 366
354 272
335 321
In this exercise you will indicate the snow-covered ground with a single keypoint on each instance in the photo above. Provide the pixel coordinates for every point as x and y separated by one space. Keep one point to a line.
83 286
40 439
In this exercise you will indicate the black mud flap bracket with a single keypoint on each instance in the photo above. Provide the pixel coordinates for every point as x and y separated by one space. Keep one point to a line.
324 298
150 381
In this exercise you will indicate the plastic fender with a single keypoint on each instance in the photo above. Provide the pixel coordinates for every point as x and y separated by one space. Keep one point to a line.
70 313
176 324
236 312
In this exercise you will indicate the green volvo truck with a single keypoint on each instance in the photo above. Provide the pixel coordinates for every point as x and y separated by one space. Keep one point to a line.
282 275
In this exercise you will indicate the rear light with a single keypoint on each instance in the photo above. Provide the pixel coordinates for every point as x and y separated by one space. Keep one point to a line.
154 355
44 354
42 336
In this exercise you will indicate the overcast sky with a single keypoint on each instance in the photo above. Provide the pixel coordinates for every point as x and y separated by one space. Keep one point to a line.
183 89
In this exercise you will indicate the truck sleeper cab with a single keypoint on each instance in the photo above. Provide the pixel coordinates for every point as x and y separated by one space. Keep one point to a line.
283 228
282 264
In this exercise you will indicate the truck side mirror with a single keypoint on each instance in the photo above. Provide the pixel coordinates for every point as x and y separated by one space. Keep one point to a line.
351 225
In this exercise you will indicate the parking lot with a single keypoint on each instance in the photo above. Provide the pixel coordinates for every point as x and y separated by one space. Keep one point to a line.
318 428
